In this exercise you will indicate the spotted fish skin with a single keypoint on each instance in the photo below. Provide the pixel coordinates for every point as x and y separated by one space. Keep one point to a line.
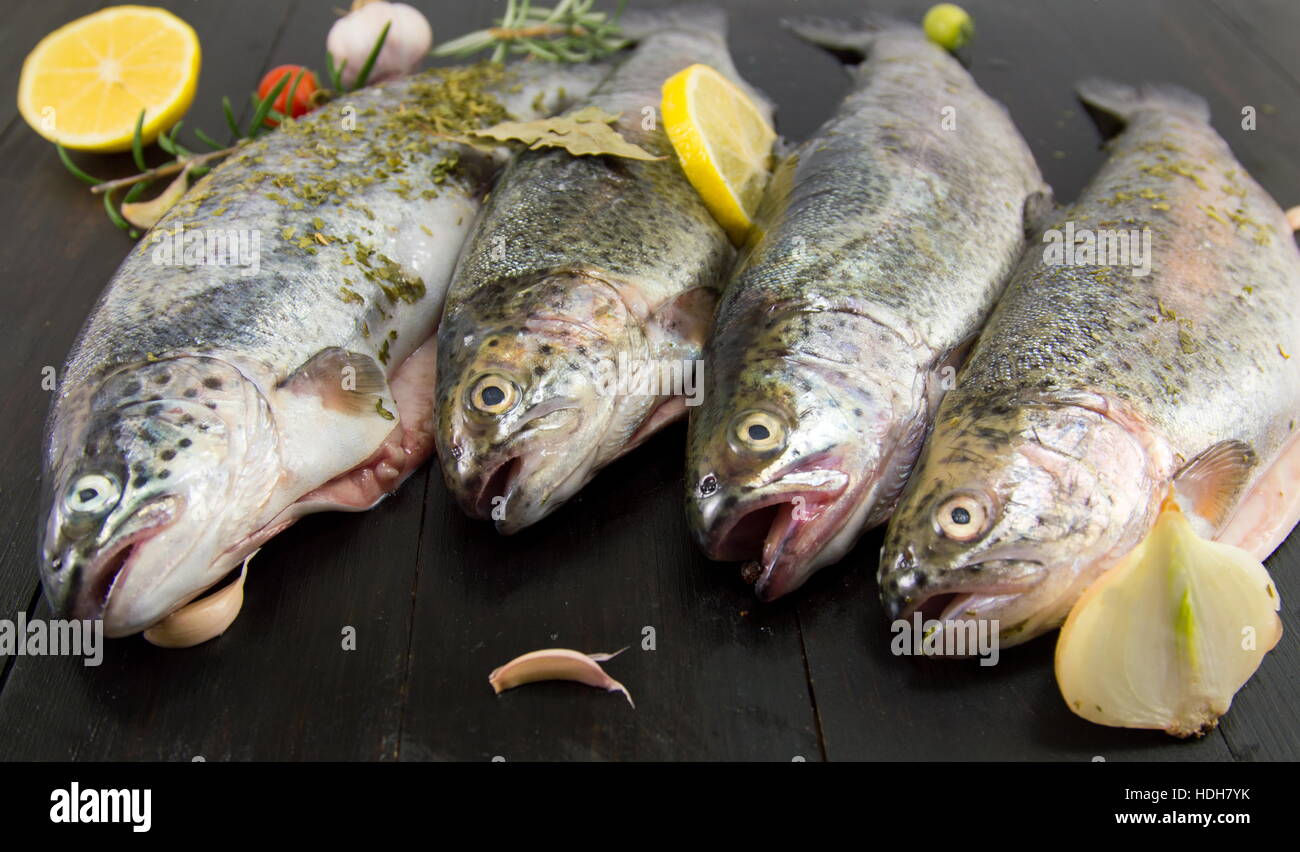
578 264
1094 389
885 240
259 355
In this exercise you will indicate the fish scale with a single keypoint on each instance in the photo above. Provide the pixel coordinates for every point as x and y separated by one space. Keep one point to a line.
884 241
1094 387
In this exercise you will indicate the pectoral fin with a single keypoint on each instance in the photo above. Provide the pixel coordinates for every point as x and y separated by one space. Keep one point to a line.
347 382
1210 484
689 317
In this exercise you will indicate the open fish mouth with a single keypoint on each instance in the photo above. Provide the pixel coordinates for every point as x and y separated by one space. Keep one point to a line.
779 535
498 483
109 569
986 590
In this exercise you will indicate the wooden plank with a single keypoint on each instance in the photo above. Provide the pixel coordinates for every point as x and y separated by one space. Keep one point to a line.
724 682
278 686
1263 722
873 706
1269 26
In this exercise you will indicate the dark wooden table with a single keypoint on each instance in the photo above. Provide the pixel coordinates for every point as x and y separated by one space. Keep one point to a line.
437 600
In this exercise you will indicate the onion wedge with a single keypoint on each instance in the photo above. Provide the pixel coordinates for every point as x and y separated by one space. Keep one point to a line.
1167 636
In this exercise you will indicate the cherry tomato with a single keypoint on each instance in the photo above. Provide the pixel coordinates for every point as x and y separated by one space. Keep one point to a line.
301 95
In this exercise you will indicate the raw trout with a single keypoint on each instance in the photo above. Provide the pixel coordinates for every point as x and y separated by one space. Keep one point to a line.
580 271
260 354
1148 339
887 238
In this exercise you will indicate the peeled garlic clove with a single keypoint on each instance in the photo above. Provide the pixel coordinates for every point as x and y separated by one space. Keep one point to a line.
145 214
202 620
1293 218
558 664
1166 637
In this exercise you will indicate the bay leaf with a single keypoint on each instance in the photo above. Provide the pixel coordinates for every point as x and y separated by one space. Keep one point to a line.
586 132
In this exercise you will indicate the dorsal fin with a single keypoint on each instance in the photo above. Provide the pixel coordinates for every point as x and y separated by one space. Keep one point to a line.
1209 484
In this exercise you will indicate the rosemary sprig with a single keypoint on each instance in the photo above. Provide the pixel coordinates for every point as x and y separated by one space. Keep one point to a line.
335 72
364 74
265 104
165 169
230 118
137 144
208 140
110 207
72 167
570 32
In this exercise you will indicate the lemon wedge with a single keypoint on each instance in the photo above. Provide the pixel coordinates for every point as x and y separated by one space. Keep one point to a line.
723 141
84 85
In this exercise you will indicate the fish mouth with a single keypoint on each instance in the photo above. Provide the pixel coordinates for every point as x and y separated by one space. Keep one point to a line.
982 591
780 535
108 570
498 483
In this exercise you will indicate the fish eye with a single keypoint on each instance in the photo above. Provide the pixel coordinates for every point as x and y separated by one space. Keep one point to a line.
493 394
757 431
962 517
92 494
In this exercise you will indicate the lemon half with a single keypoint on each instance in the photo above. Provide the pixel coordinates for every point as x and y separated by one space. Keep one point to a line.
84 85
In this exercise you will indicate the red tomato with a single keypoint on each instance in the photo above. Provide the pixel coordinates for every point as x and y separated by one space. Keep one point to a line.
301 94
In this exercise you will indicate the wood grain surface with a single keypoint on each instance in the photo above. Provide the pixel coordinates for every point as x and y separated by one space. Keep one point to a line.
437 600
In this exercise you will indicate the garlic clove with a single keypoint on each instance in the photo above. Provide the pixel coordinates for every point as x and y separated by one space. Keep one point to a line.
558 664
145 214
1166 637
206 618
1293 218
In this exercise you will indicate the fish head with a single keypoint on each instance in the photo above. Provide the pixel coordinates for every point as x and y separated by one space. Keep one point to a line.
788 456
145 487
1011 511
526 407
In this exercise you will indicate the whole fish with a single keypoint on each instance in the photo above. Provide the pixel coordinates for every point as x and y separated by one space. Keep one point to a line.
580 271
885 240
260 355
1103 379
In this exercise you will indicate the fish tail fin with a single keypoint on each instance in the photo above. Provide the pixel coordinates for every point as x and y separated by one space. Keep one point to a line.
850 41
691 17
1122 101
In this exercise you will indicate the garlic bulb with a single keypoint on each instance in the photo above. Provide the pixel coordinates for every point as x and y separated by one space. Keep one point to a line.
353 36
